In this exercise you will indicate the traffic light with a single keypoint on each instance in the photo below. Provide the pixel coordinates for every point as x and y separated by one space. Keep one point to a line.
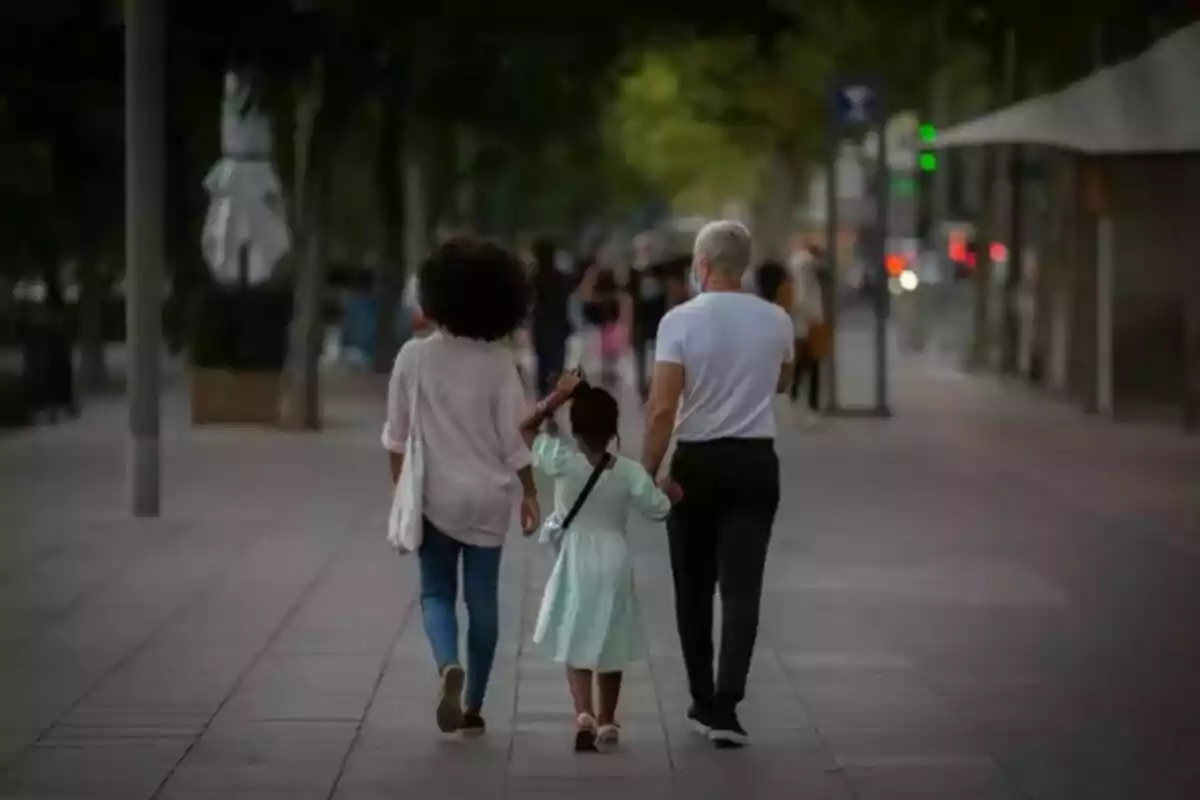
927 160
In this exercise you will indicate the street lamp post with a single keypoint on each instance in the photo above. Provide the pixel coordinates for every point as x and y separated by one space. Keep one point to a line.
144 168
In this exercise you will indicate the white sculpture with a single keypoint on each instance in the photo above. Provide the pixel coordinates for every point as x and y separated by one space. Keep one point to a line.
247 207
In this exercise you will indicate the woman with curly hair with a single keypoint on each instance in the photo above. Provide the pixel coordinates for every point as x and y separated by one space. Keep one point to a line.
470 401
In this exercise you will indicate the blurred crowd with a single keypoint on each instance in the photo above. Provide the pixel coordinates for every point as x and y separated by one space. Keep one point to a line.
612 305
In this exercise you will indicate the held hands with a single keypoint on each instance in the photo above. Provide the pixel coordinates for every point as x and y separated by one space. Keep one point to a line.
671 489
567 383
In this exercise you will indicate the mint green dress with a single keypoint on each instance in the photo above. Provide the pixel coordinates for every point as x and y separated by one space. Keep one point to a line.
589 618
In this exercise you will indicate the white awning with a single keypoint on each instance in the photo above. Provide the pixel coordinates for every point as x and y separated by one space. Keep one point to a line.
1147 105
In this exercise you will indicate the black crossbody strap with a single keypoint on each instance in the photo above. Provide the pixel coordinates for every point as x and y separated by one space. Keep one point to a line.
601 465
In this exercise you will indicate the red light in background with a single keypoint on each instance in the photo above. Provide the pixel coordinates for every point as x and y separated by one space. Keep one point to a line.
998 253
895 264
958 247
971 260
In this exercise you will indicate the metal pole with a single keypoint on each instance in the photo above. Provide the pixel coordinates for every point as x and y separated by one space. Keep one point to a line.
832 151
243 303
1104 313
883 288
144 166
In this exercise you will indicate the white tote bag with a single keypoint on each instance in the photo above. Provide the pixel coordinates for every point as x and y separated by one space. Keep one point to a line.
406 520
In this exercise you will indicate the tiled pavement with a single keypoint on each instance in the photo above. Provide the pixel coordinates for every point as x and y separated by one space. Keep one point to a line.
986 597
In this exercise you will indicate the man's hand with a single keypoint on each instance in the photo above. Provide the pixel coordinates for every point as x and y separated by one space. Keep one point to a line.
671 489
531 514
567 383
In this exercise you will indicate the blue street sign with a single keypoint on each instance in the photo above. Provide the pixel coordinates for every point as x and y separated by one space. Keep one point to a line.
855 104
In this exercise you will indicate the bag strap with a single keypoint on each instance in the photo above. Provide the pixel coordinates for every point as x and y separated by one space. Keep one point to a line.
415 388
597 471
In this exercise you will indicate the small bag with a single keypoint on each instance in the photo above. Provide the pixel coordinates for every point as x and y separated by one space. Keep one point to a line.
819 341
555 525
406 522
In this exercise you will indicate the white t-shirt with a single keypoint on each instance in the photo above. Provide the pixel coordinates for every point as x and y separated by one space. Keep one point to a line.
732 346
470 402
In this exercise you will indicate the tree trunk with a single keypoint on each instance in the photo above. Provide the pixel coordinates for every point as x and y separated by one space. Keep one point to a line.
995 179
776 208
1014 275
301 385
466 196
1010 332
416 216
390 280
979 355
93 369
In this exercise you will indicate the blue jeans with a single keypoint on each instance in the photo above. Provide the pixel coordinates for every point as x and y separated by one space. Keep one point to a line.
439 556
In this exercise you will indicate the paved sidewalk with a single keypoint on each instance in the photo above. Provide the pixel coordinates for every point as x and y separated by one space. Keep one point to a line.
986 597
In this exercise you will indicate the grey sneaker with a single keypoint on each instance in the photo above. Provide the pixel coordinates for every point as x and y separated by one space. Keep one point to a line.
449 709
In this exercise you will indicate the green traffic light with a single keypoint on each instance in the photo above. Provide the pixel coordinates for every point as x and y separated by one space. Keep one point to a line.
928 133
928 162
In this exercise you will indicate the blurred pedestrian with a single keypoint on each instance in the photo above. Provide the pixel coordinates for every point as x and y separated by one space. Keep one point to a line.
721 359
48 356
808 320
648 292
590 620
550 322
773 283
470 402
607 308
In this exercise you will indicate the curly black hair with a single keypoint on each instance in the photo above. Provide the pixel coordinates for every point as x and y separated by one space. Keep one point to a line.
474 288
594 416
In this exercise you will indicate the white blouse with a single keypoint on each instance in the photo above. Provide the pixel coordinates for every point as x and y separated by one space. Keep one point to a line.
470 402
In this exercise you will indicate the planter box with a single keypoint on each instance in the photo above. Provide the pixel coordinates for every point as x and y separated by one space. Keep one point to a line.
241 398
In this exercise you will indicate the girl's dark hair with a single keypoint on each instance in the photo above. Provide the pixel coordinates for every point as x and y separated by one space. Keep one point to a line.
594 416
769 278
475 289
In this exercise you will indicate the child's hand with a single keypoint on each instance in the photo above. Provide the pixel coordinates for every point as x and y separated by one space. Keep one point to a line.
671 489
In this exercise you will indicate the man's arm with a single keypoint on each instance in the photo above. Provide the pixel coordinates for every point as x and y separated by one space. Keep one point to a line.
665 390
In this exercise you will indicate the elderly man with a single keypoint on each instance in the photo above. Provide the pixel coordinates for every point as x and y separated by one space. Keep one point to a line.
721 358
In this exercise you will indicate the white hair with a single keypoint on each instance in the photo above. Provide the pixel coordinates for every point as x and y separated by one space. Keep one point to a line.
725 246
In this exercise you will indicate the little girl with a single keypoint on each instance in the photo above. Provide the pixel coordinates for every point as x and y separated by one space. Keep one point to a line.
589 618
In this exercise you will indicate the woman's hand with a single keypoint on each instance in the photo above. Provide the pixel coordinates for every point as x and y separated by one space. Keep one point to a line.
531 514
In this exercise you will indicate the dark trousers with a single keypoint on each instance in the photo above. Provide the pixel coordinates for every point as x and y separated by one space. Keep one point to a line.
719 534
550 349
807 369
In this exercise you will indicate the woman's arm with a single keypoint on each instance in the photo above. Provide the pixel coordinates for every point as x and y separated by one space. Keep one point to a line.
546 408
395 428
